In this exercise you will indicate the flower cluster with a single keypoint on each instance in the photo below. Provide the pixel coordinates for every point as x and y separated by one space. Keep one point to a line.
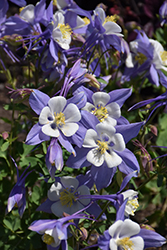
80 128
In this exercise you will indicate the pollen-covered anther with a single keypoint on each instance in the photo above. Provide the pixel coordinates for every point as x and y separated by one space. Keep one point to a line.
103 146
101 113
65 30
86 20
125 243
59 118
163 55
67 197
48 239
110 19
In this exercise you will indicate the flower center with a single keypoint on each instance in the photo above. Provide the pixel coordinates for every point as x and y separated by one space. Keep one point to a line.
65 30
163 55
59 118
125 243
110 19
101 113
141 58
68 197
103 146
48 239
86 20
134 203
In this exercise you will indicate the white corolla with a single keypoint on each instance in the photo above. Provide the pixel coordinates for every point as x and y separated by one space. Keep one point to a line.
103 144
57 116
103 109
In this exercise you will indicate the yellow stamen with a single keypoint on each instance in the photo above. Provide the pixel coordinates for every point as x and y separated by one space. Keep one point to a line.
48 239
103 146
55 2
20 9
110 19
101 113
141 58
59 118
86 20
134 203
125 243
67 197
65 30
163 55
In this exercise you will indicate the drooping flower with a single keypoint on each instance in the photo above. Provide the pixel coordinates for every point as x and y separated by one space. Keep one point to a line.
132 202
17 197
148 58
54 232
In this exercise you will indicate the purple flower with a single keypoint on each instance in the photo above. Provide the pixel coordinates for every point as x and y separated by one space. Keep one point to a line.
17 197
128 235
54 232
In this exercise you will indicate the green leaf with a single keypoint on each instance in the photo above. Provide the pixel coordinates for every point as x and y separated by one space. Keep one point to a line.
4 146
8 224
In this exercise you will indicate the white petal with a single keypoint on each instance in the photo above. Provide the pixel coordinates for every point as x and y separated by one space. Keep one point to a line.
90 139
56 239
138 243
44 115
54 191
112 159
109 121
114 110
95 157
104 128
129 228
89 107
57 208
48 130
112 28
72 113
100 98
119 143
57 104
69 129
28 13
68 181
115 228
113 245
129 194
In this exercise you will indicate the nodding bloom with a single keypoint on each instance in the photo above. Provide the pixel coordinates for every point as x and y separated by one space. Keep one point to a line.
55 232
132 202
128 235
147 57
17 197
64 195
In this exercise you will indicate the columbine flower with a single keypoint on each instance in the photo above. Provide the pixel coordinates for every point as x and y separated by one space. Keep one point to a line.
132 202
56 117
148 57
122 235
103 109
61 31
54 232
17 197
102 145
64 196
